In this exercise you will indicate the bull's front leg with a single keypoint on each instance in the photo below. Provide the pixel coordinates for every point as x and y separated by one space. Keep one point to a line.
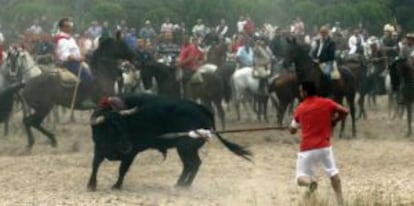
97 160
123 169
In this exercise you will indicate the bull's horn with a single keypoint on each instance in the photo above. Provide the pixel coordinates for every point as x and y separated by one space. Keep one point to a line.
128 112
97 120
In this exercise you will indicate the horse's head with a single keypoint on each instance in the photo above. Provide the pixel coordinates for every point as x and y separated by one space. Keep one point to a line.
13 62
292 51
114 48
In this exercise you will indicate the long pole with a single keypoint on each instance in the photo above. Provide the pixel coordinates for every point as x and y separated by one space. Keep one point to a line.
75 96
183 134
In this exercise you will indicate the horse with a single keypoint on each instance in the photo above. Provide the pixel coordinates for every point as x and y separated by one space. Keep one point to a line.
285 87
46 90
307 70
19 67
246 89
357 65
406 86
209 91
131 79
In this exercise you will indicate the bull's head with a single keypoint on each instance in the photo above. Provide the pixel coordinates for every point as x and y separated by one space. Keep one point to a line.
100 118
110 131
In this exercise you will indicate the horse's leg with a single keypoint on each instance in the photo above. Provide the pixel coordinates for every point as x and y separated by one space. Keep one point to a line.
27 125
221 113
351 102
361 104
257 105
281 111
409 117
339 100
237 106
6 126
36 121
265 101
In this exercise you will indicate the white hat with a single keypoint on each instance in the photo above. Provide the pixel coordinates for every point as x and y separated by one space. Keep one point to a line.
147 22
389 28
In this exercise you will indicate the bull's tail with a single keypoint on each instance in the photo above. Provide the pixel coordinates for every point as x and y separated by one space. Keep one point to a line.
235 148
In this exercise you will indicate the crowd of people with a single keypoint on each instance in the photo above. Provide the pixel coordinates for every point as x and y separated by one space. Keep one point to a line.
260 47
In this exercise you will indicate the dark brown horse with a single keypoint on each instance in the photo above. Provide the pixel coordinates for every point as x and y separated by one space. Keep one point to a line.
210 91
43 92
405 72
307 70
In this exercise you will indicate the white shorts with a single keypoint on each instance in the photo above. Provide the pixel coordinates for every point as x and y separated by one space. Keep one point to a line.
308 161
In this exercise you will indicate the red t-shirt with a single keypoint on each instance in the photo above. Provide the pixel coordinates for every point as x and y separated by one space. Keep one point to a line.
314 115
188 51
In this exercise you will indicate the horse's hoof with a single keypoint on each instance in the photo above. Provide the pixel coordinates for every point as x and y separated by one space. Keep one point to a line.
91 188
116 187
54 144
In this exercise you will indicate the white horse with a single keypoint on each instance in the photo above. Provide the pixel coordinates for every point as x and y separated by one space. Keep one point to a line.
246 91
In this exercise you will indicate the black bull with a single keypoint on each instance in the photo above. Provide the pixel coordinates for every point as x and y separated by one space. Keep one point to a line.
122 135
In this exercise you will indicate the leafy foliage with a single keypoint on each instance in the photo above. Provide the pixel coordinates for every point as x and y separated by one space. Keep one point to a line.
372 13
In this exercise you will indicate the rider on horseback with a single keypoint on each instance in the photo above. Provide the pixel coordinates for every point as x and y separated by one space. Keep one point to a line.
189 61
69 56
245 53
324 53
167 50
262 64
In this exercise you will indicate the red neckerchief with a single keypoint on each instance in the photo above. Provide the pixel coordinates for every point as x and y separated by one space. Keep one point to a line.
60 36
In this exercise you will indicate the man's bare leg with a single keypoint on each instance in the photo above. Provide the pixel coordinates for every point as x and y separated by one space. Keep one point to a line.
336 185
309 182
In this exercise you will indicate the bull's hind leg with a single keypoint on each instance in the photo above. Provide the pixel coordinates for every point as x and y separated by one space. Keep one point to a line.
97 160
191 162
123 169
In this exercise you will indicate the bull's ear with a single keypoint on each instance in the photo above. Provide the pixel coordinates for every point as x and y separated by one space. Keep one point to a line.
97 120
128 112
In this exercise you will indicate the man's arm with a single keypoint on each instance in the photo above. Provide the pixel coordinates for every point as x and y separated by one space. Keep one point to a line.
294 127
340 113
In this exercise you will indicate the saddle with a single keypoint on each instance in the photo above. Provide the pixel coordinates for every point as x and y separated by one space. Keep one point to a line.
260 72
197 77
335 74
67 78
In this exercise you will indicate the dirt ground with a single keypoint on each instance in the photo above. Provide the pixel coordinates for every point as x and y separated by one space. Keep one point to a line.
376 165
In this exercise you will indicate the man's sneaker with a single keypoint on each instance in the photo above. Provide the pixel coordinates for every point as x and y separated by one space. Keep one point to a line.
312 188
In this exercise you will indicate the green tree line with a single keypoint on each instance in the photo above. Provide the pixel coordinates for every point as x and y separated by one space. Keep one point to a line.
373 14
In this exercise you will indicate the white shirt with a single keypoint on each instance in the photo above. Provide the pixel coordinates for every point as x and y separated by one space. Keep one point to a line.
240 26
167 27
352 43
66 47
223 31
199 29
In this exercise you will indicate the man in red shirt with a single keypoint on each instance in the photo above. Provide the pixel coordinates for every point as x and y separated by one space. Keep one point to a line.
316 116
189 61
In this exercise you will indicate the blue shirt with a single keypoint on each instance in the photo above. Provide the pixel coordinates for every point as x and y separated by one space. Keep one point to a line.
245 56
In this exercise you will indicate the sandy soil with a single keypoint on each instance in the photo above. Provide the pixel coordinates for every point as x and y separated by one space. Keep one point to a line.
378 164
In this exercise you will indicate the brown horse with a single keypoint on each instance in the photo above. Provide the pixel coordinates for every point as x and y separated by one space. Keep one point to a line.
307 70
46 90
405 71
